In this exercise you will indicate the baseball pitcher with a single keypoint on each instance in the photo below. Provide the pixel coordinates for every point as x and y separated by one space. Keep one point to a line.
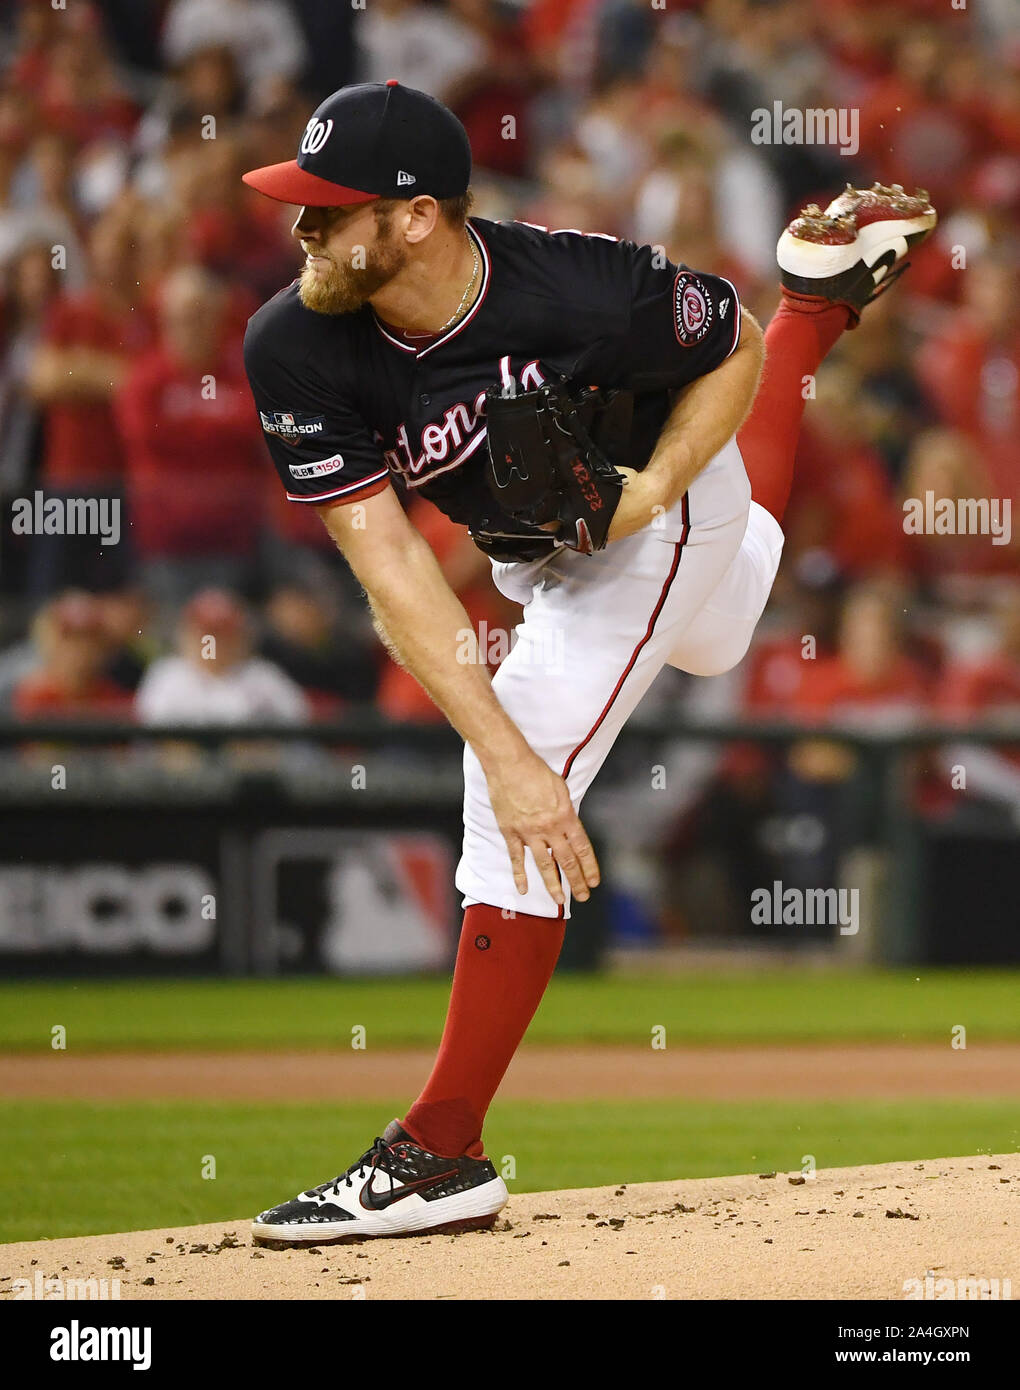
600 421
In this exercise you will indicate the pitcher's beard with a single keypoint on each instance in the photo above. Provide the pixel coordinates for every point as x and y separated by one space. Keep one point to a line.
343 289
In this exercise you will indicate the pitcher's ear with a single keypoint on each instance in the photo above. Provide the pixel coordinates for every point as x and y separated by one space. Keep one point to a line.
423 215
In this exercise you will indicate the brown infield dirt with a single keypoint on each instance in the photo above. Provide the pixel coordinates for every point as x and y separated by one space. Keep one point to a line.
846 1233
831 1072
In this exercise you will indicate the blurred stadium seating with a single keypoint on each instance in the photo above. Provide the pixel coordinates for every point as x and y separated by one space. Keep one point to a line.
628 119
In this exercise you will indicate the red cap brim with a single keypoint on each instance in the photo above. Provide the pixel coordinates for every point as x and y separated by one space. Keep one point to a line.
288 183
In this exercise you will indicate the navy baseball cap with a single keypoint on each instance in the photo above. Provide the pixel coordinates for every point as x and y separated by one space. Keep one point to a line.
372 140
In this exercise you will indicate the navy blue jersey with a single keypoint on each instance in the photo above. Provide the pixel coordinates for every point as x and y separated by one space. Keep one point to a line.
346 403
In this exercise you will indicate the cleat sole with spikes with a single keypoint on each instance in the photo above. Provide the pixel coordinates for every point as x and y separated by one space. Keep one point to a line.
854 250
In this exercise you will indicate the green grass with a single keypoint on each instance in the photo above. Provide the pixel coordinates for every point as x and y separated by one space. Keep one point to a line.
72 1168
78 1168
766 1006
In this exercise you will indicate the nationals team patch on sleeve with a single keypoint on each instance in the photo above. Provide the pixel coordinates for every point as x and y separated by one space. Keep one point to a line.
670 323
693 309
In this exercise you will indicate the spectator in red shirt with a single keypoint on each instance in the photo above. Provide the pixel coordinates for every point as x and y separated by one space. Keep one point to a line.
988 689
869 682
826 790
227 230
89 337
971 369
69 681
1001 112
911 129
842 501
947 464
79 93
778 661
38 29
28 285
992 683
192 443
870 679
544 25
808 597
501 83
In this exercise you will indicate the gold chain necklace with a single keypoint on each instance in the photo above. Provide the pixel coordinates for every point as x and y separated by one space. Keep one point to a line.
464 297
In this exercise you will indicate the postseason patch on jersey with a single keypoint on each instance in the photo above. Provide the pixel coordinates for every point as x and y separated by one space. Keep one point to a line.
692 309
319 469
289 426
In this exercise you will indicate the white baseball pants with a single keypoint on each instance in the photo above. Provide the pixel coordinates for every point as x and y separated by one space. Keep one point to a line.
686 591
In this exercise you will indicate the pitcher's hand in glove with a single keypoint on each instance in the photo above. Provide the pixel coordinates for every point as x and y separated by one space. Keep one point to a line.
550 458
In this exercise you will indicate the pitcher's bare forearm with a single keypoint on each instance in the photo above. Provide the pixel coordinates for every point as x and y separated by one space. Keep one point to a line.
704 416
426 628
428 631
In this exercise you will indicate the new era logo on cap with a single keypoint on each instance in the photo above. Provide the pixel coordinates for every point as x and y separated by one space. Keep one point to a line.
357 146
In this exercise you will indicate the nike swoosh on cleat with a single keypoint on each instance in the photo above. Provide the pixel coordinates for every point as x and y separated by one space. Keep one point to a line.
379 1201
881 267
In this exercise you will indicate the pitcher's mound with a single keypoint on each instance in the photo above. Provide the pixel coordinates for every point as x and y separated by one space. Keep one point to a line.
939 1228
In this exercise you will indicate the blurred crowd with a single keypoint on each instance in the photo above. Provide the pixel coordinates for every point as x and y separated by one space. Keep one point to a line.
131 255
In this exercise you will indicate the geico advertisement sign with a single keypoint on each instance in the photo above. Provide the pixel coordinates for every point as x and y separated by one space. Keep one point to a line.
169 909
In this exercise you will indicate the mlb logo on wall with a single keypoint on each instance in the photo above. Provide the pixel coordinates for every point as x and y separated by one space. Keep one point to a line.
289 426
352 902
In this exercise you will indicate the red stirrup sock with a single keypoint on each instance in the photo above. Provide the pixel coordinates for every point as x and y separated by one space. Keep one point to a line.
796 341
503 966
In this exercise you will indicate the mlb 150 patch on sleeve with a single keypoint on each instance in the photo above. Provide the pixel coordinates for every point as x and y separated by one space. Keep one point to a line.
289 426
317 470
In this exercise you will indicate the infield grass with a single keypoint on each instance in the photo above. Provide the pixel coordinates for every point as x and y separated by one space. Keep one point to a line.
72 1168
768 1006
75 1168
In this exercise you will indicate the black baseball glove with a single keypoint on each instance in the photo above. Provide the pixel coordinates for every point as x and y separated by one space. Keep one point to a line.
550 461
